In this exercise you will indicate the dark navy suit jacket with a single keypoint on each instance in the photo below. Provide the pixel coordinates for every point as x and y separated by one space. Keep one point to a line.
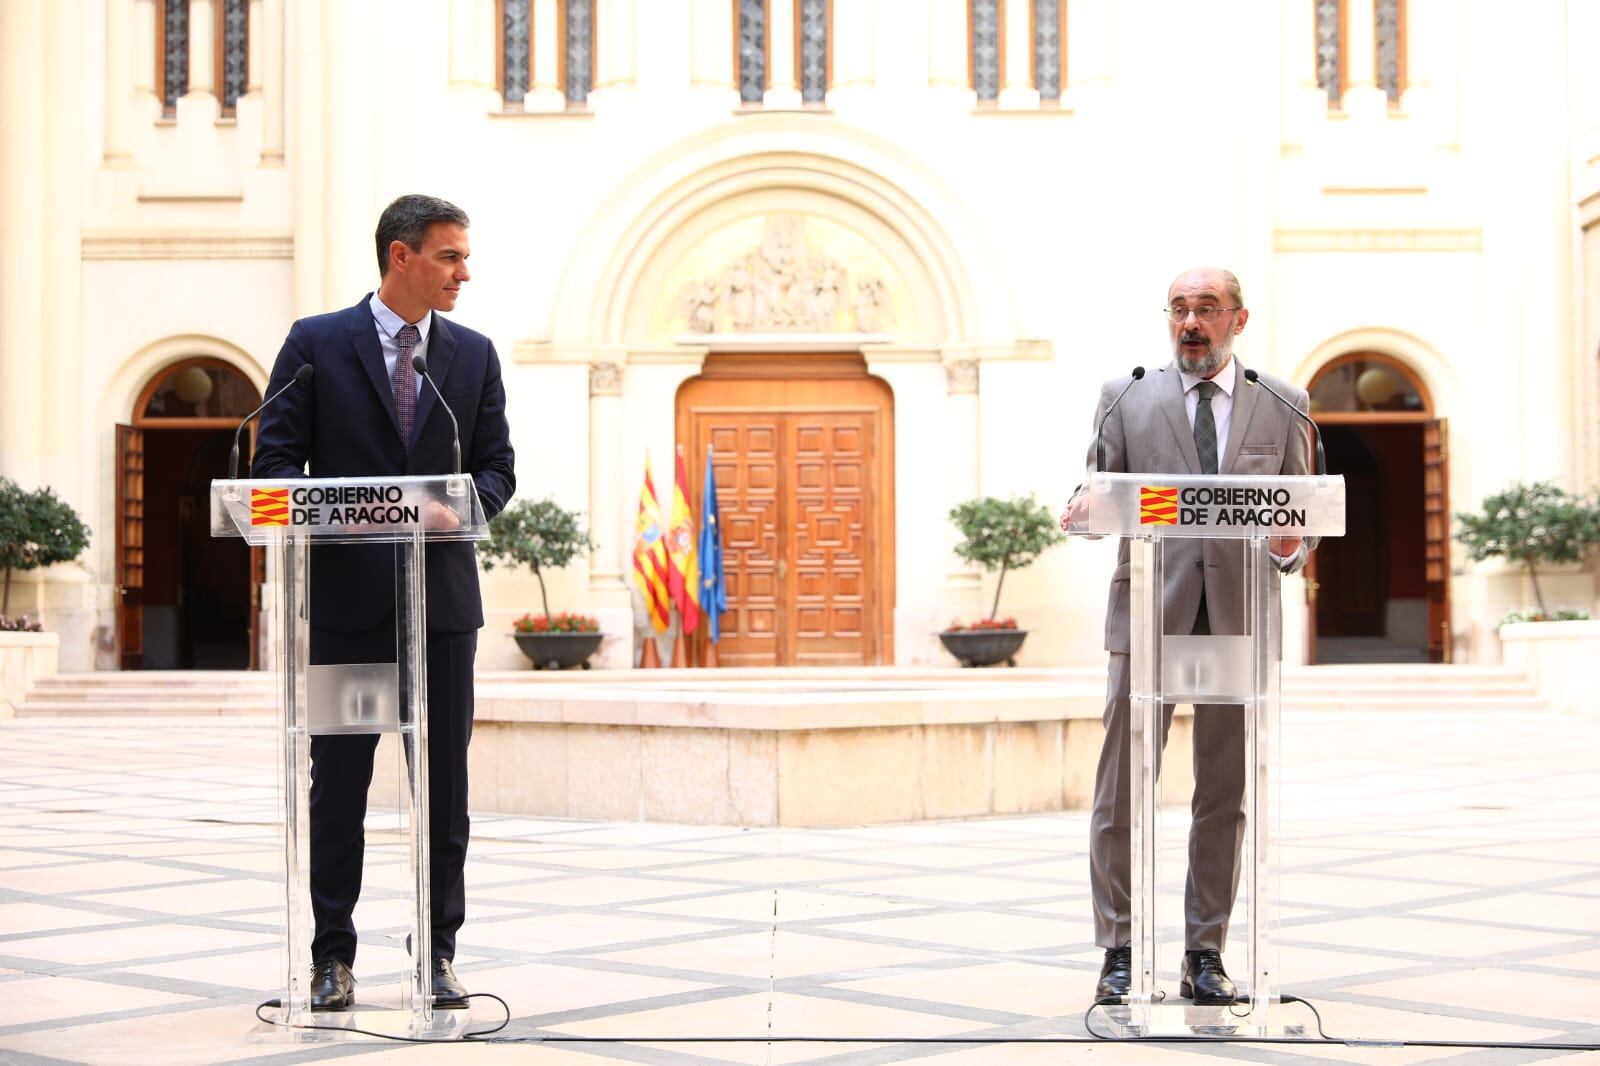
344 425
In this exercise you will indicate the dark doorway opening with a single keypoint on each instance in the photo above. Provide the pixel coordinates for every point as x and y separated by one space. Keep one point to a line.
1372 604
197 587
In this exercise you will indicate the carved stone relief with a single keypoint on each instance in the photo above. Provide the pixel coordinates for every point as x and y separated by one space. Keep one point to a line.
784 286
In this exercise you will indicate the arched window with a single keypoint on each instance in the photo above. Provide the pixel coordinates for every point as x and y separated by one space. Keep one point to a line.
201 388
985 47
1389 38
230 28
172 53
519 68
1368 383
813 48
1049 47
233 52
750 50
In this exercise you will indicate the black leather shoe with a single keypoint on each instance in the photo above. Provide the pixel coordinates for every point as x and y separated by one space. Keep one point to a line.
1204 980
332 987
1115 976
448 992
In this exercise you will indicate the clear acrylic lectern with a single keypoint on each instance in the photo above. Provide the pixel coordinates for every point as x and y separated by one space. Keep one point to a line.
1153 511
288 515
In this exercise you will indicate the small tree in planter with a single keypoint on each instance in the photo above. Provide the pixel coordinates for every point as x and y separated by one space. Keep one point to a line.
1000 536
542 535
36 529
1532 524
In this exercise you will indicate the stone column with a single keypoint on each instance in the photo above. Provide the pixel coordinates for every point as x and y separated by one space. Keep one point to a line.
853 42
610 594
1361 93
254 47
23 184
711 30
202 50
605 475
144 49
1090 42
545 92
463 43
961 463
1016 79
61 261
615 39
270 28
119 82
305 35
947 44
783 86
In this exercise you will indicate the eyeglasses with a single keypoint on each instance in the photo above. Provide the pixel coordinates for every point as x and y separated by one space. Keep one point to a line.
1205 313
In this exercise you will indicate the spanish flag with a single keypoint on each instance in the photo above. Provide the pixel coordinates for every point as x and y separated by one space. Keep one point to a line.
684 576
650 561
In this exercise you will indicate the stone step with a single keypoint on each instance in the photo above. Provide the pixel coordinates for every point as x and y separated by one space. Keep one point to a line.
151 708
1375 687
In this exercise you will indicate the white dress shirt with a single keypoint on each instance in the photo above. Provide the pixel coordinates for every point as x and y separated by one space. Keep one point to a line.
1221 401
389 325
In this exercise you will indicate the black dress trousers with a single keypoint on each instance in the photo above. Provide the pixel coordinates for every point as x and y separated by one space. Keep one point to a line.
341 772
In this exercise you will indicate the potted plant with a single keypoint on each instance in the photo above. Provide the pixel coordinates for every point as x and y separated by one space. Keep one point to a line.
36 529
1532 524
998 535
541 534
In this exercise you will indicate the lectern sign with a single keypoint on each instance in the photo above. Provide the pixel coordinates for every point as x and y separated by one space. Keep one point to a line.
1185 505
347 509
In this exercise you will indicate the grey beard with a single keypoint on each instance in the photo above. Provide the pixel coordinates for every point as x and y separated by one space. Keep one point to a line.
1215 359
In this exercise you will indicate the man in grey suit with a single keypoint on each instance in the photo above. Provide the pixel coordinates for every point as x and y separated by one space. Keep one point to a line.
1194 416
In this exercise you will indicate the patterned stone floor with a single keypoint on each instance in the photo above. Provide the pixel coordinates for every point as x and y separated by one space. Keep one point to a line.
1441 881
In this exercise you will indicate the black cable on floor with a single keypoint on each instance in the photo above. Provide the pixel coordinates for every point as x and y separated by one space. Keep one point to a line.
473 1036
1094 1037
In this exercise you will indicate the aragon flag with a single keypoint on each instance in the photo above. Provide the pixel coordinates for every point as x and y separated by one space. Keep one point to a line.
650 561
713 593
684 577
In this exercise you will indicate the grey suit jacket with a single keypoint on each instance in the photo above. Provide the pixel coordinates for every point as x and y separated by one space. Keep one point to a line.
1149 432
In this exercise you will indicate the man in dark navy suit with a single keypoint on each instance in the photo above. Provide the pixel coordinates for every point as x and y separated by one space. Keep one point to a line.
366 412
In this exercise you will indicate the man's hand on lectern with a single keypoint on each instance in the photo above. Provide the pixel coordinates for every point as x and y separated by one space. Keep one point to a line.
436 515
1076 511
1283 547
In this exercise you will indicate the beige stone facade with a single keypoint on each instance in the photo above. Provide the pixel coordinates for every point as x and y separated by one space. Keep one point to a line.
991 262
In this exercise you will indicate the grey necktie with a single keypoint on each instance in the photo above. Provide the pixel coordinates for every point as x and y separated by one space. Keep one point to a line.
405 382
1205 427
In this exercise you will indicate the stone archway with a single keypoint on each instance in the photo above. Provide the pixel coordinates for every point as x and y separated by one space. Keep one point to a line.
903 281
185 600
1382 592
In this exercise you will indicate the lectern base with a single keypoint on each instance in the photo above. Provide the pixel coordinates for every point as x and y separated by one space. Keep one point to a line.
334 1027
1182 1019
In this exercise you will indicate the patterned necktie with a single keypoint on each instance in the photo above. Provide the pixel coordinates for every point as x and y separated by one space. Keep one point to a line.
405 382
1205 427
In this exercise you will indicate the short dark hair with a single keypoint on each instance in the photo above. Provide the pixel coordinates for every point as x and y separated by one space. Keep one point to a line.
408 219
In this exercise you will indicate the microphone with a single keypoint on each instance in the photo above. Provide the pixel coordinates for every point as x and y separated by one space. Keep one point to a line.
301 376
1099 431
419 363
1322 459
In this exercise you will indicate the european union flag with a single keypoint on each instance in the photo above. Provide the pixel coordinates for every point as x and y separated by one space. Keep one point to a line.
713 594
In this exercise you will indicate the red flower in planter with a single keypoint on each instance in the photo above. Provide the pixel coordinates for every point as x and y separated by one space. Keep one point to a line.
982 625
561 622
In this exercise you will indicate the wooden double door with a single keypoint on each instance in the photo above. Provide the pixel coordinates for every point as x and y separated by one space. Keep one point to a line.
803 456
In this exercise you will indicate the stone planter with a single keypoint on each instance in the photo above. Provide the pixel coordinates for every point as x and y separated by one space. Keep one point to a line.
24 658
984 647
1558 657
558 651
